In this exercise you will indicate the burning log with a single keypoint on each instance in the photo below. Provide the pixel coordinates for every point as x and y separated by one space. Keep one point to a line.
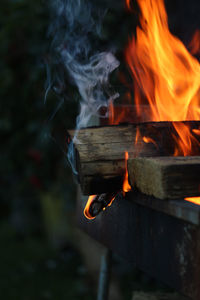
98 152
166 177
99 203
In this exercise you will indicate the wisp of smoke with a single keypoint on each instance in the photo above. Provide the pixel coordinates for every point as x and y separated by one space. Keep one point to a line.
75 25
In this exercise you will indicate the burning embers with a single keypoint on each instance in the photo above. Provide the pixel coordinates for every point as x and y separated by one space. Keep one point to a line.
166 78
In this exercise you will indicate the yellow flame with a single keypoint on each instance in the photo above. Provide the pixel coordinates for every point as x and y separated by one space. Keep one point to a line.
195 200
126 185
87 207
165 75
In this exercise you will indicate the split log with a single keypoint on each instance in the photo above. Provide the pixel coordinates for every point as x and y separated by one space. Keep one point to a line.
99 152
166 177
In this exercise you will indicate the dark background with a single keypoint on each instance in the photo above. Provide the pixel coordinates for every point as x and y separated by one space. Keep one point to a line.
38 256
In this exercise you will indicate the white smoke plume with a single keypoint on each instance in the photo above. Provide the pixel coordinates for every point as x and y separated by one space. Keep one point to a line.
76 24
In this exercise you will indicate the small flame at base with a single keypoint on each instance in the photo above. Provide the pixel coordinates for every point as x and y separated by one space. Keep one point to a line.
195 200
126 185
87 208
101 202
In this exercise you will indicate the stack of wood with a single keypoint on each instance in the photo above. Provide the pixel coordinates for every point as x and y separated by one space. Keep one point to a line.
99 154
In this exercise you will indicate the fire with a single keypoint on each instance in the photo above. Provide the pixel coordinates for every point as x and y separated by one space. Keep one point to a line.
149 140
111 113
92 198
128 5
194 45
165 75
126 185
87 207
195 200
185 141
196 131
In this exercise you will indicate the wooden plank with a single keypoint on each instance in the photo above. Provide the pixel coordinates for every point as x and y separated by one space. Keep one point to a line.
166 177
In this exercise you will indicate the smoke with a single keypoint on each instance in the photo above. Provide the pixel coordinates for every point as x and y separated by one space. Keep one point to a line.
76 30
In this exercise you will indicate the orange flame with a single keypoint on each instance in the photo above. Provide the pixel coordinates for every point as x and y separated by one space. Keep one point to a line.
149 140
195 200
165 74
194 45
128 5
87 208
185 141
88 204
126 186
111 113
196 131
137 136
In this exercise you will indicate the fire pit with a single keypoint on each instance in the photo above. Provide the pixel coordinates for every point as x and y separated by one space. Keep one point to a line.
145 161
157 234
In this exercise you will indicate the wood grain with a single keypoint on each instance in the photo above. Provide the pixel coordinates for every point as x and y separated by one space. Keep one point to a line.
166 177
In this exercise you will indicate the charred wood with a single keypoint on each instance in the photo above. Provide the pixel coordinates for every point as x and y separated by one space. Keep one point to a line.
101 202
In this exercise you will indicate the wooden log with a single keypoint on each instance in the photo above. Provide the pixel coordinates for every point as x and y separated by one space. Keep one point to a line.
100 203
166 177
99 152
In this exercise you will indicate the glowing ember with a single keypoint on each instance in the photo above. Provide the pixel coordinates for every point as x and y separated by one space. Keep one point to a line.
126 185
195 200
87 207
165 75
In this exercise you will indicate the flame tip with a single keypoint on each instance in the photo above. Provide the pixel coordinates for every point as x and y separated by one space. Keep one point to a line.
165 75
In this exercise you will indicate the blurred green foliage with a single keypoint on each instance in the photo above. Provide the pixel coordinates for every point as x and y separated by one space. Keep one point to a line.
32 159
36 271
37 191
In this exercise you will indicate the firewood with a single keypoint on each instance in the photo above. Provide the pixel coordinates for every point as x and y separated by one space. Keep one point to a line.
99 152
101 202
166 177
